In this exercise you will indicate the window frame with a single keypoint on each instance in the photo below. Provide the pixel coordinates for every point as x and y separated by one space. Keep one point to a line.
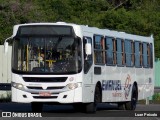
151 52
114 51
99 50
84 55
130 54
139 66
145 55
120 52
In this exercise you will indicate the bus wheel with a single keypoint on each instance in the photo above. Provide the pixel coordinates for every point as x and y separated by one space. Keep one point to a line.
92 107
121 106
131 105
36 107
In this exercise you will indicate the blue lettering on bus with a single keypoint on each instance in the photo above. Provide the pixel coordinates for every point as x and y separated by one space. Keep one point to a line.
111 85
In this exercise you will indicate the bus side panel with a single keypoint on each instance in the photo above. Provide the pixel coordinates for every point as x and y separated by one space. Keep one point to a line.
149 83
88 86
112 73
127 78
140 81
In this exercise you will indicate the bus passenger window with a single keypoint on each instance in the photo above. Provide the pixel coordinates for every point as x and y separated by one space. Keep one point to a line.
128 52
145 58
123 53
99 49
151 54
110 51
141 54
133 53
114 51
119 52
137 54
148 55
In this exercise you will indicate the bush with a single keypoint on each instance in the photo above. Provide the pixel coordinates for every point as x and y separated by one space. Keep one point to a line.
156 96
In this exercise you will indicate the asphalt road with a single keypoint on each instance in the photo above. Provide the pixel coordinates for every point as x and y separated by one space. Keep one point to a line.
104 110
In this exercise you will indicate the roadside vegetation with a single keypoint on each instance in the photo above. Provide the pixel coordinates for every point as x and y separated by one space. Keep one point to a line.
5 97
132 16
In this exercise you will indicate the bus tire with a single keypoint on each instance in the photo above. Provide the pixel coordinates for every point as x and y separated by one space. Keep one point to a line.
131 105
92 107
121 106
36 107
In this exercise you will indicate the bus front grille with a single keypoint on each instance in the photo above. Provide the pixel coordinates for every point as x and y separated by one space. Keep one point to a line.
45 79
48 88
44 97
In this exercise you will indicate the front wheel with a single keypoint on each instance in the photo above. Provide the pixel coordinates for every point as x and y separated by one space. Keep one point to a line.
92 107
131 105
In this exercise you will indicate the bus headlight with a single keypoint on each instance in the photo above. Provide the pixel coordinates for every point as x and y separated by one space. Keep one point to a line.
72 86
18 85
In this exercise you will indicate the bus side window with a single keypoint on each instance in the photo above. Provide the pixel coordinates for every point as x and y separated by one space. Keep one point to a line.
114 51
141 54
133 53
119 52
128 52
151 54
123 53
99 49
137 54
110 51
145 57
148 55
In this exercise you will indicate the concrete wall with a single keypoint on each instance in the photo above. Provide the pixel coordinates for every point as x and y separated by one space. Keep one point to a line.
5 70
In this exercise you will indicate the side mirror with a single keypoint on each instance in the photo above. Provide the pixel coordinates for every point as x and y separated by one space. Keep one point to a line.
88 48
5 47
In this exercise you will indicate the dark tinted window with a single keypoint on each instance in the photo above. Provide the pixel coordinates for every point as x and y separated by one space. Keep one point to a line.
109 53
137 54
145 58
99 49
44 30
128 52
119 52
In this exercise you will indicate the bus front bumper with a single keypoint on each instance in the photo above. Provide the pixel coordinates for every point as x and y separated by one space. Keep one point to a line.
70 96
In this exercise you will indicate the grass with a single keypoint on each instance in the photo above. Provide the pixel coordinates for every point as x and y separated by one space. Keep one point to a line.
154 100
5 98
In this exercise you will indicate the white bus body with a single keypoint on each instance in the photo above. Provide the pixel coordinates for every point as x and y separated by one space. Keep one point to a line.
105 75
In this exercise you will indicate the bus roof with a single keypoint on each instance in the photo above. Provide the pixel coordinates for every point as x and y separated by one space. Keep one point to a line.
94 30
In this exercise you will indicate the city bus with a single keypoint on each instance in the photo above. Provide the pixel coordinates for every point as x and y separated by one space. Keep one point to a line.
65 63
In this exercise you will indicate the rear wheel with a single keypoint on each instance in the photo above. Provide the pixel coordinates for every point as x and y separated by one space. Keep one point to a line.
131 105
121 106
92 107
36 107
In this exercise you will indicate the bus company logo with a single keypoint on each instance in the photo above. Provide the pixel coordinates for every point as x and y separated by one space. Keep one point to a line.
111 85
6 114
127 86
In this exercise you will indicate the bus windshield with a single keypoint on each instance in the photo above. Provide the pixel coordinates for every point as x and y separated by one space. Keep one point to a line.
55 55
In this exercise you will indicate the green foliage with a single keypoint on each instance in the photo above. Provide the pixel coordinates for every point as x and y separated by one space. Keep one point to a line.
156 96
132 16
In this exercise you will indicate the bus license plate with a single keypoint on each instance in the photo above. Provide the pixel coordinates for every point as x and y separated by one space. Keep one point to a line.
44 94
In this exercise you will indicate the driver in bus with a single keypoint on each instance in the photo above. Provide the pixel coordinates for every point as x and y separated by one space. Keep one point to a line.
41 59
